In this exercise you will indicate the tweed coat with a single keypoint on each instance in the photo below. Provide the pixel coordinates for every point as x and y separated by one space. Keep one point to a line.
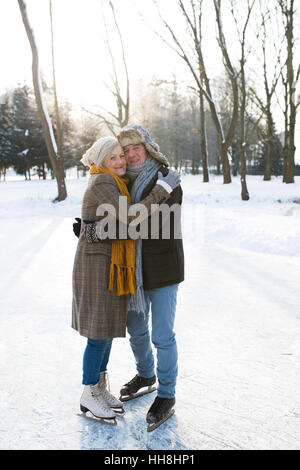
98 313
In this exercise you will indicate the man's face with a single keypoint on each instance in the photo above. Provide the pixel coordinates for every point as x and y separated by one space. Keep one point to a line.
135 155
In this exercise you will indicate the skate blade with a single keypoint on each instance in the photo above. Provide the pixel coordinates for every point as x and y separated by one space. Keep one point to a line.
119 411
153 426
124 398
96 419
108 421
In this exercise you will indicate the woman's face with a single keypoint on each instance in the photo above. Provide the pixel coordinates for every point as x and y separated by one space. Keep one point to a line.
116 162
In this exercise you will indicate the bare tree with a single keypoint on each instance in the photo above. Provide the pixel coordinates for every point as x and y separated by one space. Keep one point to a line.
203 135
193 18
120 118
267 108
54 156
233 77
270 77
290 78
56 108
203 140
243 94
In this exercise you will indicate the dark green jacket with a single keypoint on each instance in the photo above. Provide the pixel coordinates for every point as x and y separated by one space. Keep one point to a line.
163 260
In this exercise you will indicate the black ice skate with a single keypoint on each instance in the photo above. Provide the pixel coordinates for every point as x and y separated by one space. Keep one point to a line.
130 390
161 410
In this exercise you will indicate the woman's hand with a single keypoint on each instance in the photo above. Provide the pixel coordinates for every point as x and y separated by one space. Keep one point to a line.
77 226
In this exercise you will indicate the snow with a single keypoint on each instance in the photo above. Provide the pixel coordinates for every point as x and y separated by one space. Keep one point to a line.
24 152
238 324
46 114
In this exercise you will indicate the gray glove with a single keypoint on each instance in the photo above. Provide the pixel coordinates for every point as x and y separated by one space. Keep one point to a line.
172 178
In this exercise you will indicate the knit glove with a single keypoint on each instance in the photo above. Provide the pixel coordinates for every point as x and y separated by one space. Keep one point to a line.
172 179
77 226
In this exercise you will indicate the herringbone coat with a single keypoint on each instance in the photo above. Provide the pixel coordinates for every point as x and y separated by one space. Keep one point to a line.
98 313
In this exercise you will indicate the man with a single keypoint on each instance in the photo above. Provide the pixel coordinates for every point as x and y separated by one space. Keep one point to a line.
162 267
159 269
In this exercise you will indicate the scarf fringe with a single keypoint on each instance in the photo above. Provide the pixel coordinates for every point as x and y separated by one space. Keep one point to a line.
137 302
126 283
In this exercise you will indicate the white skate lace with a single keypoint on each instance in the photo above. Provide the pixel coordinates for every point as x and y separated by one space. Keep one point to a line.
95 392
107 395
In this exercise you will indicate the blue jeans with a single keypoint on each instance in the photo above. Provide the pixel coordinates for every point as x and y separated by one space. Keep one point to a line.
95 359
163 306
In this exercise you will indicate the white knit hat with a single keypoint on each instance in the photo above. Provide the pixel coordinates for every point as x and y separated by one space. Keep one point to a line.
97 153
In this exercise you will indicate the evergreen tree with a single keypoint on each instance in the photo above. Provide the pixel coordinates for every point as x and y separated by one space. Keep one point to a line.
28 147
5 135
272 146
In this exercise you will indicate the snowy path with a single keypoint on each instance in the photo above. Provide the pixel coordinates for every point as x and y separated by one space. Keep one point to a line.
238 330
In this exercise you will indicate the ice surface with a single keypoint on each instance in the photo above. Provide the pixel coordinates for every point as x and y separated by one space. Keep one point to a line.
238 324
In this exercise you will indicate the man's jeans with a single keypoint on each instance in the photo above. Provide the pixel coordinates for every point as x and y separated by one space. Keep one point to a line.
95 359
163 306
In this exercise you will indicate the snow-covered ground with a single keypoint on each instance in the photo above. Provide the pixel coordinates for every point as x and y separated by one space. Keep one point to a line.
238 324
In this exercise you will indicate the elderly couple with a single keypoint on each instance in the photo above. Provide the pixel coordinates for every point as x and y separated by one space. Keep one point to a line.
117 281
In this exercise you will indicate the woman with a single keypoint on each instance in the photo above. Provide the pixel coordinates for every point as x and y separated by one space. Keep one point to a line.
104 272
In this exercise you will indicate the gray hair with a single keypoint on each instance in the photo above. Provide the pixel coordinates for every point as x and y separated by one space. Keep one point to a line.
101 149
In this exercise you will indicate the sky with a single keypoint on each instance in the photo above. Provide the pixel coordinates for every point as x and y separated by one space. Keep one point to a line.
80 54
82 62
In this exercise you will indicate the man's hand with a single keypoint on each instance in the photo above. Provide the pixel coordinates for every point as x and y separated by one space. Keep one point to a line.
77 226
172 178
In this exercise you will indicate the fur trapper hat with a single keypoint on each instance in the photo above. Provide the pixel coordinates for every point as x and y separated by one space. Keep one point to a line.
134 134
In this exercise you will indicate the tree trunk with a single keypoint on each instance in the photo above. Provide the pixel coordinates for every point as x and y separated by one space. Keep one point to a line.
234 159
268 161
242 143
244 190
203 143
290 165
42 110
57 117
285 145
218 164
225 163
288 13
269 150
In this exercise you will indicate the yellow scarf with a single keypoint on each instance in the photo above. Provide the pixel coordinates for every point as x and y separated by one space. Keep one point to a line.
122 251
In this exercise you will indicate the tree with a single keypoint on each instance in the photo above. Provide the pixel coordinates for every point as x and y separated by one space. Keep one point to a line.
121 94
171 113
5 134
56 160
27 143
203 135
81 135
193 18
242 145
271 52
56 108
290 77
276 163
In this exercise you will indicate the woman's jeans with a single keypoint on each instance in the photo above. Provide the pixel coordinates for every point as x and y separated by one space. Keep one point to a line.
163 307
95 360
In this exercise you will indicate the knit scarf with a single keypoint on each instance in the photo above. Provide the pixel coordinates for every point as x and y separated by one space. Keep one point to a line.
122 251
142 175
